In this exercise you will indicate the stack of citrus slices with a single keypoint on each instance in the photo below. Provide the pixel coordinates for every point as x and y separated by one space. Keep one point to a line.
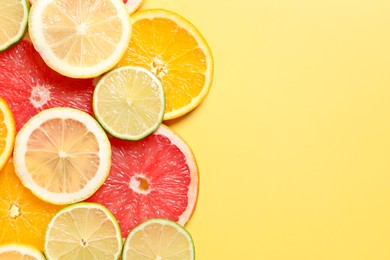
85 158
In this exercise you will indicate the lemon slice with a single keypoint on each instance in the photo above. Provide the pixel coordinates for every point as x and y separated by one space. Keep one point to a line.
13 21
62 155
19 251
78 38
83 231
129 102
159 239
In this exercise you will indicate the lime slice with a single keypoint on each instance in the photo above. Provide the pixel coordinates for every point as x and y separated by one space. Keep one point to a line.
13 21
20 251
83 231
159 239
129 102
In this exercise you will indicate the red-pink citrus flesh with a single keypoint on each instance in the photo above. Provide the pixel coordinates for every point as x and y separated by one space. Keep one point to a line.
29 85
156 177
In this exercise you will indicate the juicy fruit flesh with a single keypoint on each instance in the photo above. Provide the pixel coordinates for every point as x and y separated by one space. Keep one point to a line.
129 102
82 26
175 58
83 232
159 241
149 178
67 159
23 217
3 132
14 255
30 86
11 11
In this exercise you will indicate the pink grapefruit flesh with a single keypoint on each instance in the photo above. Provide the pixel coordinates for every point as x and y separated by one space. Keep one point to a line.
156 177
29 85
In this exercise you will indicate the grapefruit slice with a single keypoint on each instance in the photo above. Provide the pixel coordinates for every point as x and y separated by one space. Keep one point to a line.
29 85
156 177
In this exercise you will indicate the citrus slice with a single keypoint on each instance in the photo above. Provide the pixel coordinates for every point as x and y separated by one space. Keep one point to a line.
29 85
23 217
129 102
159 239
83 231
173 49
62 155
18 252
156 177
7 132
13 21
79 38
133 5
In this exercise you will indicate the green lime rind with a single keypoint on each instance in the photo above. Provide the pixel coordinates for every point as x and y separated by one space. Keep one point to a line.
15 39
91 205
163 222
123 104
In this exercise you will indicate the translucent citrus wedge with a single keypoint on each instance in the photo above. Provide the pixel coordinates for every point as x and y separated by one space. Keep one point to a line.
176 52
23 216
129 102
7 132
83 231
62 155
133 5
78 38
13 21
19 252
159 239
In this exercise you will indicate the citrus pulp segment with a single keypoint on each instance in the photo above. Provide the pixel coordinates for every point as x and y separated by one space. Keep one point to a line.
133 5
20 251
173 49
13 21
83 231
62 155
129 102
78 38
23 217
159 239
29 85
7 132
156 177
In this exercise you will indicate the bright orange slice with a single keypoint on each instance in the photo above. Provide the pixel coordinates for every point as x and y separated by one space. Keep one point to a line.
23 217
7 132
176 52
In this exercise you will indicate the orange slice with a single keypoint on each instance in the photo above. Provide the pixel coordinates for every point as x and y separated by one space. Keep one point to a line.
176 52
62 155
7 132
23 217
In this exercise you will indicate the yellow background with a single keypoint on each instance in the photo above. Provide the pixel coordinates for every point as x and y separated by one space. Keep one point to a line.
293 140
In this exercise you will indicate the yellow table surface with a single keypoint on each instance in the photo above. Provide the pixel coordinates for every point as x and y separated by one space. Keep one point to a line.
293 140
